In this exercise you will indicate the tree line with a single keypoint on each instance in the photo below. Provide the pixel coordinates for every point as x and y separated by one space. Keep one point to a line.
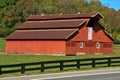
14 12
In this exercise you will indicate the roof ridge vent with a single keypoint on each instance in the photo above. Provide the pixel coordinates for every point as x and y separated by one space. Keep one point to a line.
61 13
78 12
42 14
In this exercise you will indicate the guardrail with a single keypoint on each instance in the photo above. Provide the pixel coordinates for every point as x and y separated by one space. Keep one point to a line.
60 64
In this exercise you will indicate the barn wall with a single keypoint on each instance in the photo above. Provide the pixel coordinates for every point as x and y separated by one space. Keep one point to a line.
73 48
33 47
99 34
105 48
89 46
82 35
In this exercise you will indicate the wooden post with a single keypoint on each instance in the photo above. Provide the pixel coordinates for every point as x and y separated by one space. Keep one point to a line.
22 69
0 70
42 67
109 62
93 63
78 64
61 65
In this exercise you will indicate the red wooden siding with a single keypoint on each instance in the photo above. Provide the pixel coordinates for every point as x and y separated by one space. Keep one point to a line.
73 48
99 34
89 46
82 35
36 47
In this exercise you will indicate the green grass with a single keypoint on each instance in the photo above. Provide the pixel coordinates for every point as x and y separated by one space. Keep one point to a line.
2 44
17 58
117 49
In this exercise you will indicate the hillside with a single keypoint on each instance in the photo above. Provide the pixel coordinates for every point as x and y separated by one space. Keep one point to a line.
14 12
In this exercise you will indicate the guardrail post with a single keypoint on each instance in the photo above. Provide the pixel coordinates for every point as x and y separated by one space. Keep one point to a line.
22 69
78 64
42 67
0 70
61 65
93 63
109 62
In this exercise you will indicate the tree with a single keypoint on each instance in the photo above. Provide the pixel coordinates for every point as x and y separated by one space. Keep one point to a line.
14 12
18 14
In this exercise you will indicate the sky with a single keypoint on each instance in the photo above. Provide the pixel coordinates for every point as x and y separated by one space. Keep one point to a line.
111 3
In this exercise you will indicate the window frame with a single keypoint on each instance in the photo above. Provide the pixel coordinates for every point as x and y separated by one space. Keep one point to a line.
97 45
90 33
81 44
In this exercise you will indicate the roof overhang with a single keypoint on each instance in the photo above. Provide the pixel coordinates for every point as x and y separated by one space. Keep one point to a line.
61 34
58 24
63 16
99 15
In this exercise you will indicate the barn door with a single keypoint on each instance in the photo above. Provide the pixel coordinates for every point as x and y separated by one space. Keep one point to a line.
71 48
89 47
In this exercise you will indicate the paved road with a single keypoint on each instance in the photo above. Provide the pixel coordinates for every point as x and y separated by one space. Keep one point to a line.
113 76
106 74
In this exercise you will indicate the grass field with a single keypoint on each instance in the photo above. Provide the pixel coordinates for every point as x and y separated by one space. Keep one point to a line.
17 58
2 44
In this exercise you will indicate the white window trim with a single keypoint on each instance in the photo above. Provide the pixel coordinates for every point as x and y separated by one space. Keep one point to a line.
81 44
90 33
98 45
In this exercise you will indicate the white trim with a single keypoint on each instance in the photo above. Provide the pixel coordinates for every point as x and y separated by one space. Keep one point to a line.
81 44
97 14
98 45
82 23
90 33
71 33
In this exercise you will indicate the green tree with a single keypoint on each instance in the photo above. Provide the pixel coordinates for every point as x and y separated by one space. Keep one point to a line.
18 14
14 12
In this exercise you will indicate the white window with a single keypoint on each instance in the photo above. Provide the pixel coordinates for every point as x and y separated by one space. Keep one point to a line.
97 45
89 33
81 44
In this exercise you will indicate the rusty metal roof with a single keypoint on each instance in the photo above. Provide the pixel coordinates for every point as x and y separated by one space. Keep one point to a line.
62 16
51 26
42 34
58 24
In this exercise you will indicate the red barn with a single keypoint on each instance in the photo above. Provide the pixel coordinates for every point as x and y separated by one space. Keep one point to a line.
60 34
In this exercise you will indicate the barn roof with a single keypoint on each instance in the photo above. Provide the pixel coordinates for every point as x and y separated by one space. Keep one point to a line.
63 16
58 24
52 26
42 34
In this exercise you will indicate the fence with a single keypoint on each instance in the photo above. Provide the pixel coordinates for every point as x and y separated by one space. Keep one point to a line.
60 64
